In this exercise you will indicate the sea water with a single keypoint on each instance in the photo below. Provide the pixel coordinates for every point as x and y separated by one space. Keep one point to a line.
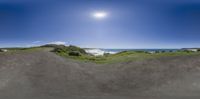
100 51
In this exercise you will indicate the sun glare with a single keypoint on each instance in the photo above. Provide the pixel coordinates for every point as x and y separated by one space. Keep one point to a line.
99 15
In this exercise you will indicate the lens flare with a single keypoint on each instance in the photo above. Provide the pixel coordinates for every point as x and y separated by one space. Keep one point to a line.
100 15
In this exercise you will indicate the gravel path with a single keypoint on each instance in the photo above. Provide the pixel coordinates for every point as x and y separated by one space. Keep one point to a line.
44 75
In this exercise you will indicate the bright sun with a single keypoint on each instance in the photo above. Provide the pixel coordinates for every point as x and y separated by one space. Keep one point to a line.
99 15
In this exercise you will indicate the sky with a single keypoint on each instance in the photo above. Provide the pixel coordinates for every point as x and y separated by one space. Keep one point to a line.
127 23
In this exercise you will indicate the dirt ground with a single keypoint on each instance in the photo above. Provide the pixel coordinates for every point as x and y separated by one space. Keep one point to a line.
44 75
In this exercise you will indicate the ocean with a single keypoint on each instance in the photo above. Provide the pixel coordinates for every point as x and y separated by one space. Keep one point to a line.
100 51
120 50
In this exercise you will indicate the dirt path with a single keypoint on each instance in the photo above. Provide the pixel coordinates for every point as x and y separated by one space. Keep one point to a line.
44 75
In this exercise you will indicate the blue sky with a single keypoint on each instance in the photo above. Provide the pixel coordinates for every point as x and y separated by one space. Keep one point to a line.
129 23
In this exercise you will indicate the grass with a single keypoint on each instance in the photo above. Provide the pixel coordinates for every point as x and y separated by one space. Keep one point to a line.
111 58
25 50
126 56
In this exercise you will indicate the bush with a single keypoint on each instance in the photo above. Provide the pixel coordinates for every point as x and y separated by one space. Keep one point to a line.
75 48
163 51
67 49
59 50
106 54
54 46
74 53
186 51
3 50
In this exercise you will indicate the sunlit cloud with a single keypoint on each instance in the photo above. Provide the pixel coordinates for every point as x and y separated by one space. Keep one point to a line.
58 43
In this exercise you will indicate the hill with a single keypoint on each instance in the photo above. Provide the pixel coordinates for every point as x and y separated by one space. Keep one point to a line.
78 53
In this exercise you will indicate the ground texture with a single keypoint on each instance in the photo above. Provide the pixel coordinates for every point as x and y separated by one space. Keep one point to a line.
44 75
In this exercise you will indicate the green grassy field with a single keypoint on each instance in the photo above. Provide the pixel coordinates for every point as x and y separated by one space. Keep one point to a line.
106 59
126 56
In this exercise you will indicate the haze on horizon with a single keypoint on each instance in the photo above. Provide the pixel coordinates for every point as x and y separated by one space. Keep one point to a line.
101 23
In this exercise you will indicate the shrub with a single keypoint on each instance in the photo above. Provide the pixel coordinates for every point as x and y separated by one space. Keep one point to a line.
187 51
74 53
70 50
54 46
163 51
59 50
3 50
75 48
106 54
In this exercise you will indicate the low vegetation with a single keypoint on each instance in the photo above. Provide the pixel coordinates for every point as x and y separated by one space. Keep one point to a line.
69 50
80 54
